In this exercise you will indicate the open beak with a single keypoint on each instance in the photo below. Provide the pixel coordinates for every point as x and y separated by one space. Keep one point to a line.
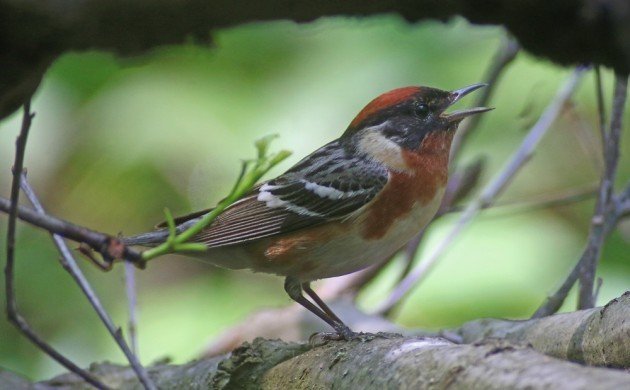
456 95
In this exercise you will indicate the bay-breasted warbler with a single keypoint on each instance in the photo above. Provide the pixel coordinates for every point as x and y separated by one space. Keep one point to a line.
350 204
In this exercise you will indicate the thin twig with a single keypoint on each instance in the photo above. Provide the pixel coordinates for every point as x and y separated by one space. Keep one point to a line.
622 203
586 299
601 108
69 264
130 289
517 161
541 202
504 56
12 309
109 247
602 223
553 303
411 251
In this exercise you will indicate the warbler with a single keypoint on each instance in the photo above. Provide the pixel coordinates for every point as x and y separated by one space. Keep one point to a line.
350 204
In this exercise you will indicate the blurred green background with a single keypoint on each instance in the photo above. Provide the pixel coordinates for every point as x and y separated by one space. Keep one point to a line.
117 140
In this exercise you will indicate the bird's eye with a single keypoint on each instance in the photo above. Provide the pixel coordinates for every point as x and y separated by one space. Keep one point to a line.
422 110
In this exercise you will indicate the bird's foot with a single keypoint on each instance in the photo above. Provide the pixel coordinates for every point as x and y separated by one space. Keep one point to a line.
342 332
321 338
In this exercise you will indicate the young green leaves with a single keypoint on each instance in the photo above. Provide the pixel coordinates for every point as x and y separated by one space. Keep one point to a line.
251 172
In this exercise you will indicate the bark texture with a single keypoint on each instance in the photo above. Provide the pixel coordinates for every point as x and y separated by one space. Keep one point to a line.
34 33
597 337
498 354
373 361
433 363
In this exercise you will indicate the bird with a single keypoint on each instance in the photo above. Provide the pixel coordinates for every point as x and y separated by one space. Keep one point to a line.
350 204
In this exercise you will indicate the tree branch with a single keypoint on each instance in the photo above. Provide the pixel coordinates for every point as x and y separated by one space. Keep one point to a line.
608 211
597 337
69 264
109 247
597 235
434 363
499 354
34 33
411 362
13 313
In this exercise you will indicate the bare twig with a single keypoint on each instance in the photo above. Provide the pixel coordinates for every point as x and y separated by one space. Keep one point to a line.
601 108
518 159
597 235
622 203
553 303
544 201
109 247
504 56
608 210
411 251
12 309
130 289
69 264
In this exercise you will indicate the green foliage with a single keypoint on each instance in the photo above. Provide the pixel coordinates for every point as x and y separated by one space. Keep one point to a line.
251 172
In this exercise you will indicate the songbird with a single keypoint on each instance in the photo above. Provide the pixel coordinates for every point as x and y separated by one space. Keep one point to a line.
350 204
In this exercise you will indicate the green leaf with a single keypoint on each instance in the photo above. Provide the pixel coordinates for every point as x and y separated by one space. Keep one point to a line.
191 247
247 178
262 145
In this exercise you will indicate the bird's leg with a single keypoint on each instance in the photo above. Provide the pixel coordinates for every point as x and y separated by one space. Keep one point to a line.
319 302
294 287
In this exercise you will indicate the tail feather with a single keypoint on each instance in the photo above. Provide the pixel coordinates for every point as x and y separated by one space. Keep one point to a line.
156 237
147 239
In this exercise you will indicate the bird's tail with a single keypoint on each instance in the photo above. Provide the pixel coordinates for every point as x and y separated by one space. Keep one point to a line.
156 237
147 239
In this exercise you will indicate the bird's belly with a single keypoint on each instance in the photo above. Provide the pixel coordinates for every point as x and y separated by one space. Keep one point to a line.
327 250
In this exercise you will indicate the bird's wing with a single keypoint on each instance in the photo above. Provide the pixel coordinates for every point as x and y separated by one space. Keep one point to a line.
327 185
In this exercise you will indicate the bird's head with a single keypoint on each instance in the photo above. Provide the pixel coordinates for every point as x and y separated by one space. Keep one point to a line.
409 119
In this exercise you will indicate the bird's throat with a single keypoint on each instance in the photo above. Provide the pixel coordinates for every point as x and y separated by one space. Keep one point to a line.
431 157
418 186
